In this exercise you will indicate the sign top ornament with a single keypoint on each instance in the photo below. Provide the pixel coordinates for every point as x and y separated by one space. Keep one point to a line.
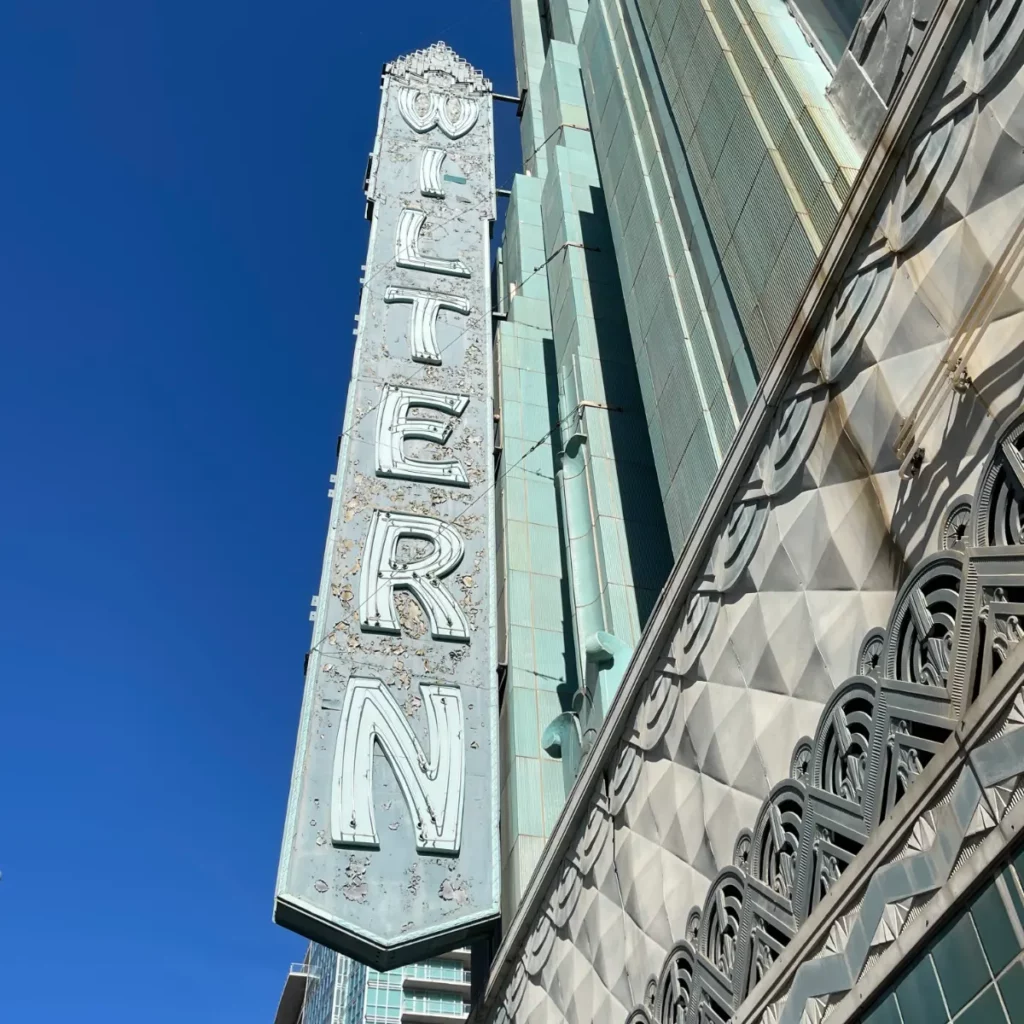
390 851
438 67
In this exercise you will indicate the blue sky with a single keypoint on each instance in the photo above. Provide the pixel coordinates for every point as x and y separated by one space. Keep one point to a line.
179 255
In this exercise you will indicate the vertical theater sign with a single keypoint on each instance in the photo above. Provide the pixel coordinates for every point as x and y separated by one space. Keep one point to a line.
390 851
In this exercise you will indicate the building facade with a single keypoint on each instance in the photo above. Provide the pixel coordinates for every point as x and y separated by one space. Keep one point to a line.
682 170
799 800
673 230
329 988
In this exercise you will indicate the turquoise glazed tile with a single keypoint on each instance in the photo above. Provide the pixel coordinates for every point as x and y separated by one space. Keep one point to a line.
512 420
520 603
549 707
518 546
536 422
545 548
525 731
550 659
542 507
521 649
513 485
553 787
546 598
510 390
526 772
534 388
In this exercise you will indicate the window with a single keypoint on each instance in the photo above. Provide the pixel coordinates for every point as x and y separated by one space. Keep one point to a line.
435 1002
384 997
830 23
439 970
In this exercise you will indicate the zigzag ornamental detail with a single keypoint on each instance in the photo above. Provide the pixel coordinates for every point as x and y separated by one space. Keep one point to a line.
439 66
956 619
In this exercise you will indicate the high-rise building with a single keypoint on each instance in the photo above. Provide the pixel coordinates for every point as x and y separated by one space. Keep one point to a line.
329 988
759 505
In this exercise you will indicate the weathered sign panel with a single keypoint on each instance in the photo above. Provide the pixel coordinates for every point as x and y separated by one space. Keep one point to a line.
390 851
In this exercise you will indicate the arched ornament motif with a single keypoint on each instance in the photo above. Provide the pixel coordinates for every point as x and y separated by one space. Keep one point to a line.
999 26
859 763
650 995
628 764
595 835
846 758
800 763
919 637
694 631
658 709
538 945
566 893
872 650
738 542
995 34
741 851
639 1016
424 110
999 496
675 985
854 312
796 428
776 840
692 928
721 921
956 526
516 990
929 170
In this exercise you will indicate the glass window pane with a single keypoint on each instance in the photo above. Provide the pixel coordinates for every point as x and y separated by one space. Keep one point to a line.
832 22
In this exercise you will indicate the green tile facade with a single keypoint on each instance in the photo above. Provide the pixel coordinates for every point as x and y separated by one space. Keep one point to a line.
746 91
972 972
725 167
618 545
539 651
696 376
585 547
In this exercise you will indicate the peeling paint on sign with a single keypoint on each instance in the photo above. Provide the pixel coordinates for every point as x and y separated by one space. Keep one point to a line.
398 738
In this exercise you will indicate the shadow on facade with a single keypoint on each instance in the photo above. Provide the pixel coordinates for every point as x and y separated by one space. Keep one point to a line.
645 525
949 471
567 688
